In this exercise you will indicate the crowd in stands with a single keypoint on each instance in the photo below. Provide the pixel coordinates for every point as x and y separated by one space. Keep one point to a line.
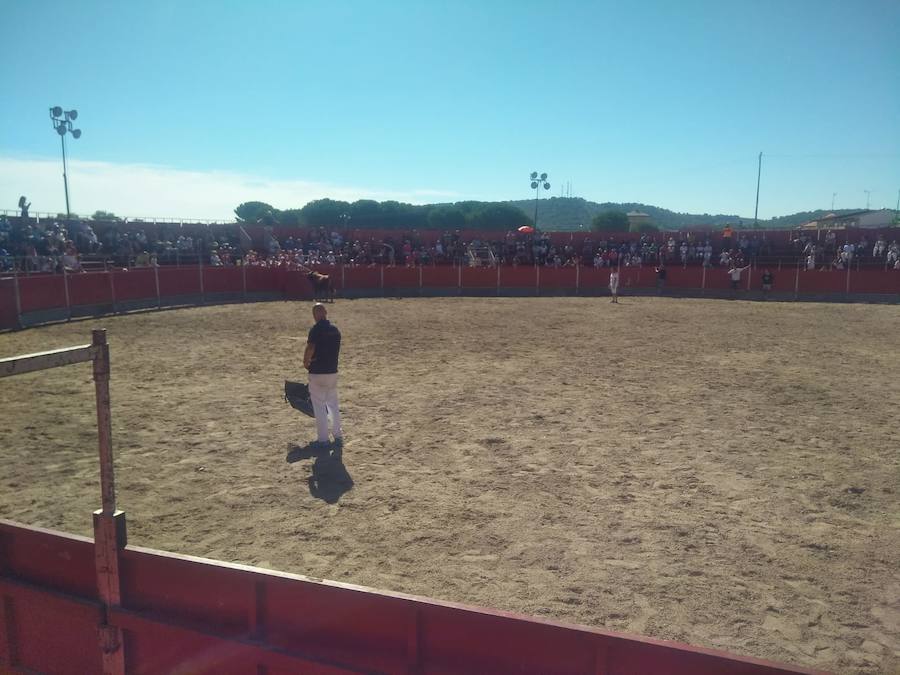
51 246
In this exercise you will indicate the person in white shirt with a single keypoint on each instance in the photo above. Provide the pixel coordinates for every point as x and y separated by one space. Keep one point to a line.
614 285
735 274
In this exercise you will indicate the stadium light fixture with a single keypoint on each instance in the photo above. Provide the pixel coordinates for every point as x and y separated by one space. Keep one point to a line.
62 124
538 182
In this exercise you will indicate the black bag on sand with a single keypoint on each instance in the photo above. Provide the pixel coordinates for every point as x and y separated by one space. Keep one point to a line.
297 394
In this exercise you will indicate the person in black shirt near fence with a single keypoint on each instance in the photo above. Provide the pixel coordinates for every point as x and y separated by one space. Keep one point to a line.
768 280
320 358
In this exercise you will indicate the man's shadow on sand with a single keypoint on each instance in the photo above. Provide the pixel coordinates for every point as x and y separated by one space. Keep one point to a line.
330 478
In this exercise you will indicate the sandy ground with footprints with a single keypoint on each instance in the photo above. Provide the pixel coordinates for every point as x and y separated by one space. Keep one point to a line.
721 473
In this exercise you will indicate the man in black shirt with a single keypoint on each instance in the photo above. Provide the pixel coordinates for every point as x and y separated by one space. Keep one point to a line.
768 280
321 360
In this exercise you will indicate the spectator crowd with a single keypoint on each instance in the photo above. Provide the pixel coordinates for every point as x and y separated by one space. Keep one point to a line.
29 245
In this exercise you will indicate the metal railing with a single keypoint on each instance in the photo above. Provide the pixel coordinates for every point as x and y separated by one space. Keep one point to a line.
47 215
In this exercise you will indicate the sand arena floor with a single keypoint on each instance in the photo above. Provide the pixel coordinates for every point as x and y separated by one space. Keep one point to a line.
722 473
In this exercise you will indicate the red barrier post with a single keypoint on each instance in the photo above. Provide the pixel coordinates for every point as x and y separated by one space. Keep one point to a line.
200 267
18 298
244 278
156 281
68 300
112 289
577 278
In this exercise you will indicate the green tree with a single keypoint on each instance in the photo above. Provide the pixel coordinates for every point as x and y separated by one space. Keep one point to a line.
325 212
647 228
253 212
610 221
497 216
102 215
446 217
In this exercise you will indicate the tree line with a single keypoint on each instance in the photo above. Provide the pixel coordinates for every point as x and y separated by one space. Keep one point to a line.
371 214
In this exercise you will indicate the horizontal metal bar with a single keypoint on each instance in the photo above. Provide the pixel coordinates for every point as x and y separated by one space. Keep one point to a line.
17 365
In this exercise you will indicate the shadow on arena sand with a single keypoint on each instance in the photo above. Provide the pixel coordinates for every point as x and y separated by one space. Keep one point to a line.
330 478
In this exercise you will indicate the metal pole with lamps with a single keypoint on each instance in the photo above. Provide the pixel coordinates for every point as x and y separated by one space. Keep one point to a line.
537 182
62 124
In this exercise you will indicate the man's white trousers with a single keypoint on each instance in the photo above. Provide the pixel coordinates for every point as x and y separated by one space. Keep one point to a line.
323 392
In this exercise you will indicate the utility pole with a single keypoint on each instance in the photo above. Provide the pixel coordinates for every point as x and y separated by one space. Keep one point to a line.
758 176
868 198
833 195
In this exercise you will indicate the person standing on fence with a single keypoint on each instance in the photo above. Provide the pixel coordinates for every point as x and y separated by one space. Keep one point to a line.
614 285
320 358
661 273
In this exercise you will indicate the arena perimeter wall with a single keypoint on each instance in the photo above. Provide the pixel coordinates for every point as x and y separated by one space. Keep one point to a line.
32 299
179 614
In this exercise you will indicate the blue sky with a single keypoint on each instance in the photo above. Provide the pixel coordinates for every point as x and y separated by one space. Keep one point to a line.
189 108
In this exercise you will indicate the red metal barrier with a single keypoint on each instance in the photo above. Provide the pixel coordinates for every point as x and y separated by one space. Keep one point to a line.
48 291
367 278
136 284
42 291
717 278
479 277
401 277
553 278
519 277
183 614
222 280
684 277
90 288
830 282
175 281
9 315
590 279
441 276
262 279
875 281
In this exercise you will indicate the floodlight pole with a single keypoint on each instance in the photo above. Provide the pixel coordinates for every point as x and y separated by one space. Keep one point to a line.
756 210
538 181
62 124
62 140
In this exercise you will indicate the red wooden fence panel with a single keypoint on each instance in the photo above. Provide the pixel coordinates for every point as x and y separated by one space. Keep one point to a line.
440 276
42 291
222 280
361 277
558 278
875 281
8 316
518 277
262 279
718 279
479 277
830 282
182 614
136 284
179 281
685 277
401 277
90 288
594 278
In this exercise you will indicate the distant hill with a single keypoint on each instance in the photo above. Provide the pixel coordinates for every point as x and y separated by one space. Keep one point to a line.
571 213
